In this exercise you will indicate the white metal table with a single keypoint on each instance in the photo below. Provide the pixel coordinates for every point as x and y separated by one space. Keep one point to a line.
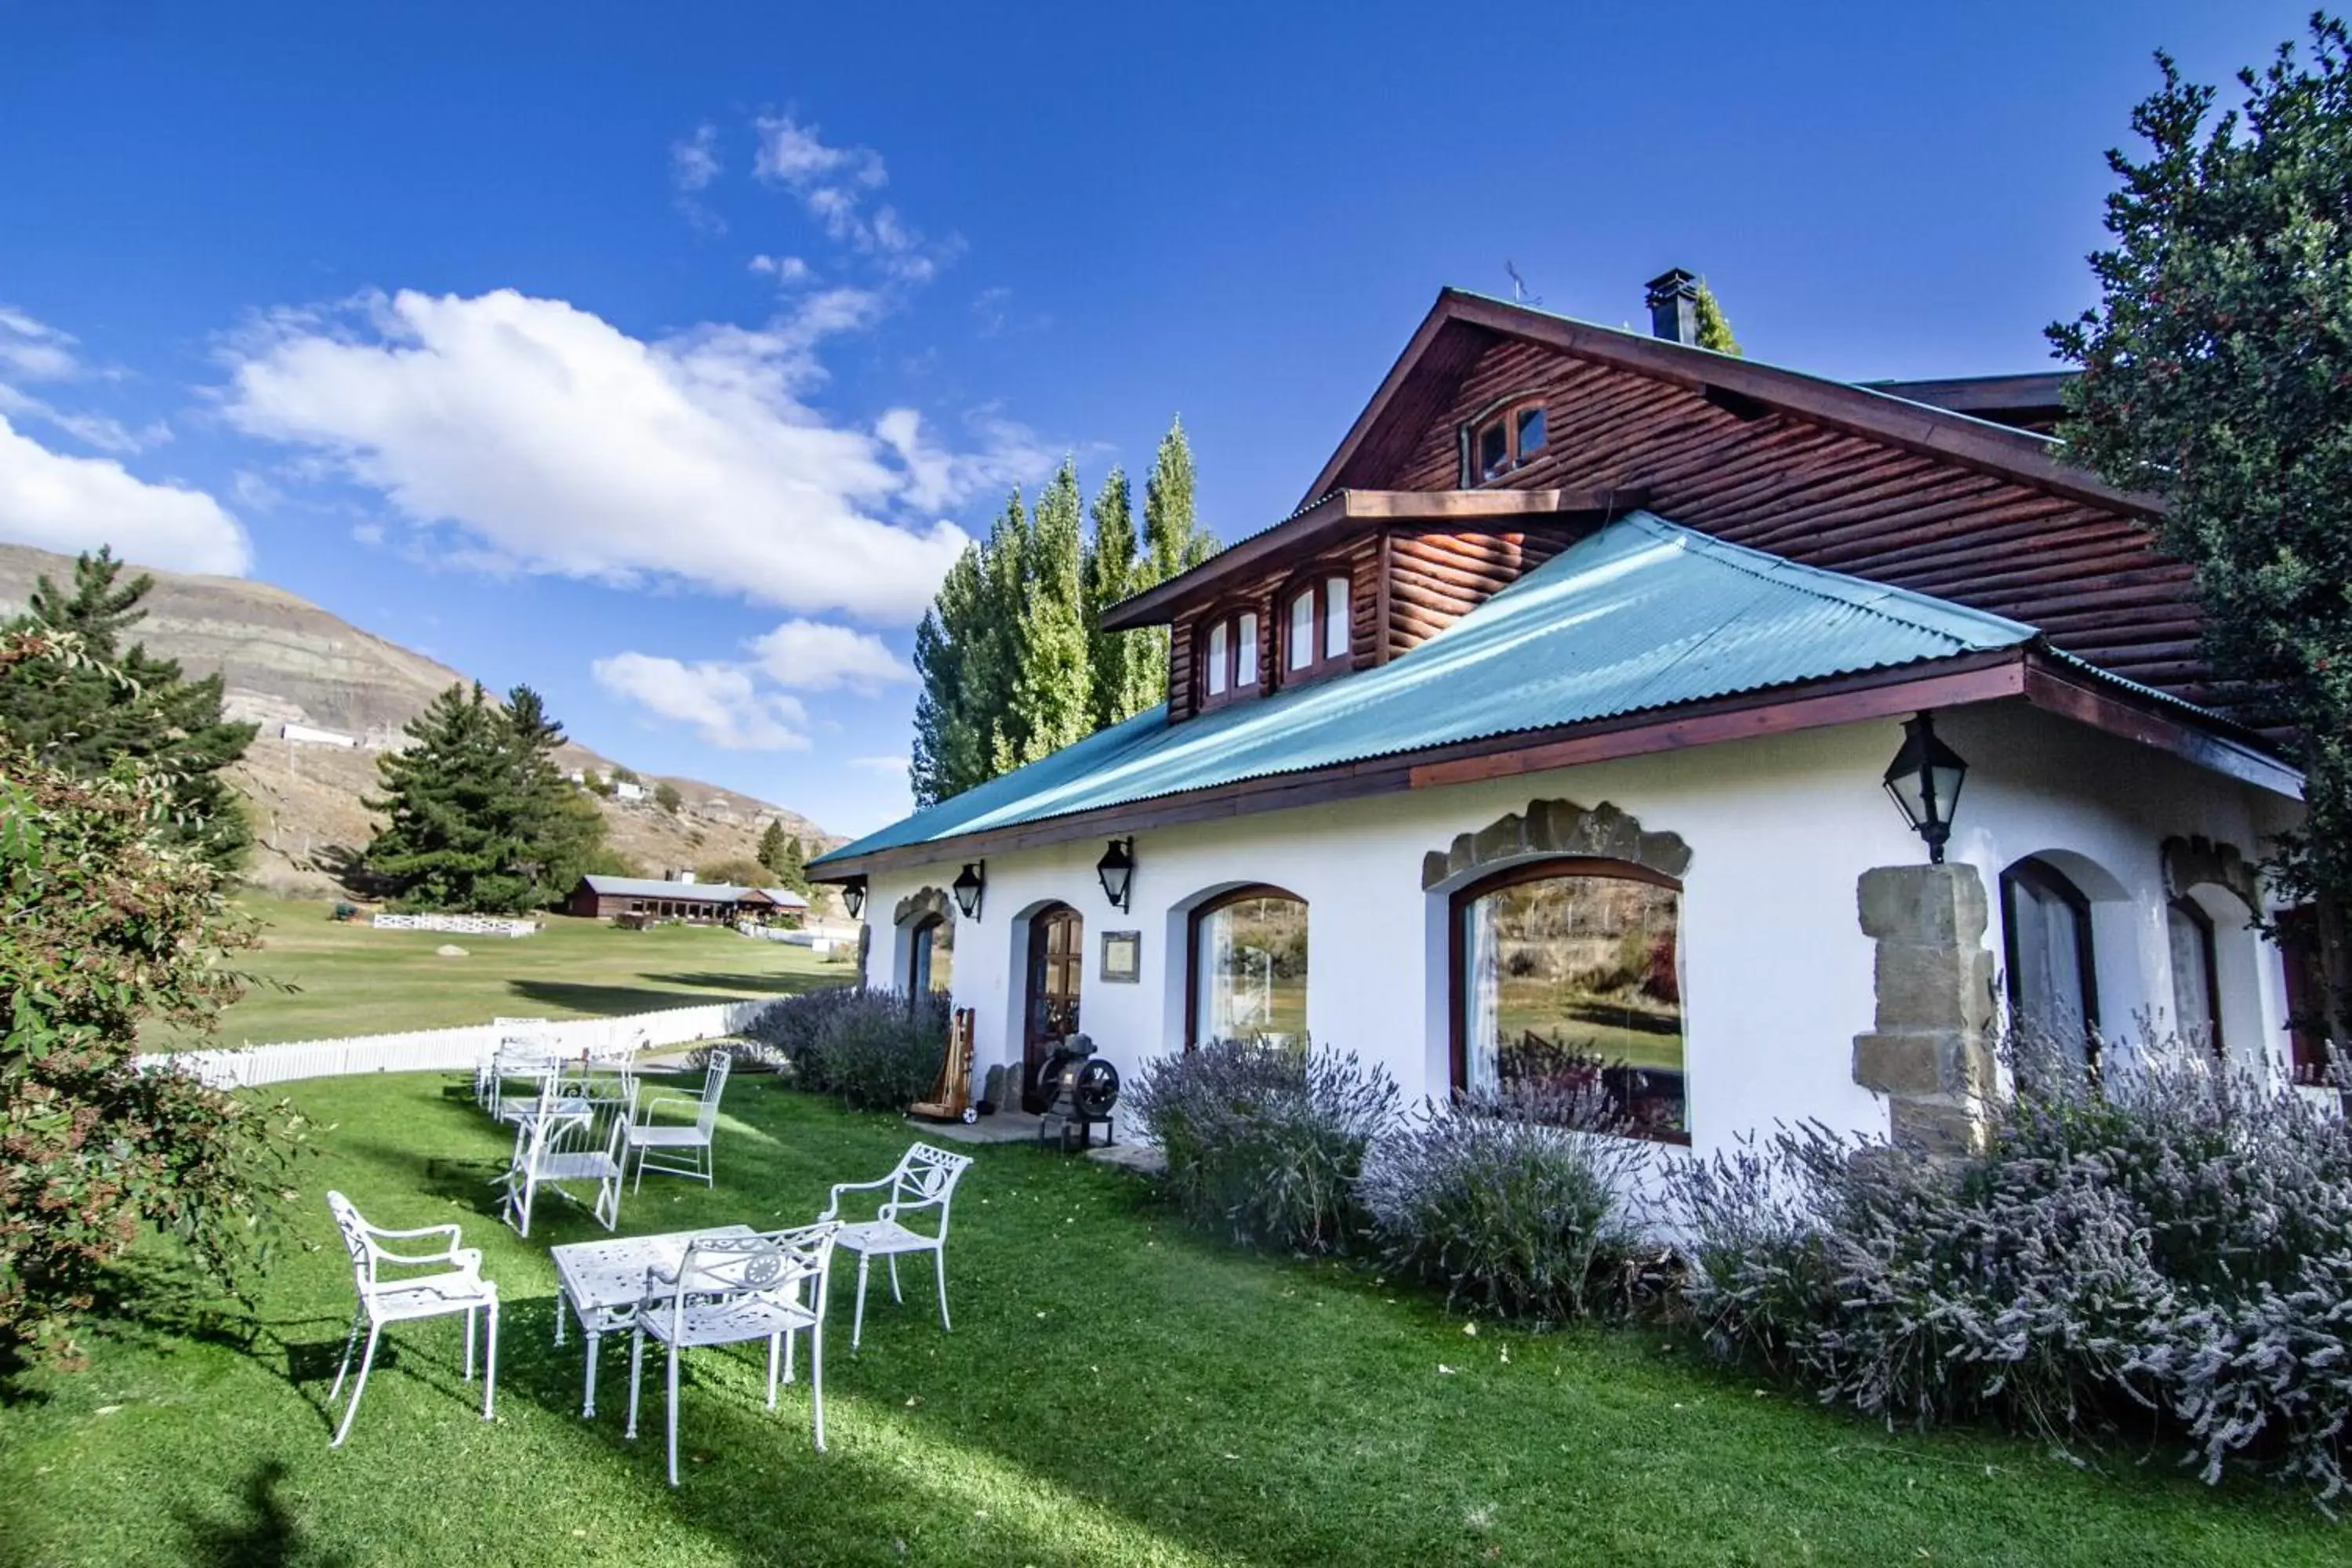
604 1280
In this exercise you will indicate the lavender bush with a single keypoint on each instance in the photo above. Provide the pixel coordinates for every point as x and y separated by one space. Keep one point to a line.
2175 1250
1514 1205
877 1050
1266 1140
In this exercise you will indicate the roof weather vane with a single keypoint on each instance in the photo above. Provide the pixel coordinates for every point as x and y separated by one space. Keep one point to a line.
1520 295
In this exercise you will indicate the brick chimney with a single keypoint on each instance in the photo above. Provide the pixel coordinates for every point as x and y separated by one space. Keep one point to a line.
1672 299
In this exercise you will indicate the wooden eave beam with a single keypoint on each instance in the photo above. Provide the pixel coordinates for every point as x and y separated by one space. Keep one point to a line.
1347 512
2005 674
2014 454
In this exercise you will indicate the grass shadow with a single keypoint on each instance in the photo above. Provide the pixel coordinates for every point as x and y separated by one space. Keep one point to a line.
264 1534
762 984
606 1001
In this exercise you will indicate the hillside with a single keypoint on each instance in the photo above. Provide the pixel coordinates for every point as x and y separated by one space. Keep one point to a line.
284 660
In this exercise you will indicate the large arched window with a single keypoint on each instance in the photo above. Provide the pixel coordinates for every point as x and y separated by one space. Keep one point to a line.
1248 968
2054 989
1567 977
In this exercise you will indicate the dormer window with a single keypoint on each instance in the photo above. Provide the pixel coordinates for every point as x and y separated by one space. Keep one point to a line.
1315 629
1505 439
1229 658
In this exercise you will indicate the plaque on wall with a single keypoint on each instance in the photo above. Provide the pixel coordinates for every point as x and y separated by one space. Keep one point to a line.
1122 957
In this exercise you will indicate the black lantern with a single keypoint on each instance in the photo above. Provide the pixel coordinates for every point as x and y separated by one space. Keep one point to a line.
1924 781
853 897
968 887
1116 870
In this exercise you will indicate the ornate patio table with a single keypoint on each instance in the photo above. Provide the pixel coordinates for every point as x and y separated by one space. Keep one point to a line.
604 1280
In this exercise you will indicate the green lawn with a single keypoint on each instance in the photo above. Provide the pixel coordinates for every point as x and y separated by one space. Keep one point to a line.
316 978
1117 1390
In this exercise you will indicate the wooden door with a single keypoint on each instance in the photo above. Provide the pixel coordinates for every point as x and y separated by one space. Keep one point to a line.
1056 945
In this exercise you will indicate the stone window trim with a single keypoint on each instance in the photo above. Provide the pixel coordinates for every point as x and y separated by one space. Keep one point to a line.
1554 829
2195 861
924 904
1930 1050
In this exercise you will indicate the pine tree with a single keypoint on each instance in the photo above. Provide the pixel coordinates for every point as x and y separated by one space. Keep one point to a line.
82 719
793 872
1714 327
1052 694
772 848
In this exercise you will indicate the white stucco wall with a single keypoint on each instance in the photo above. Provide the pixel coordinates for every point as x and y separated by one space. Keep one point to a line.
1776 975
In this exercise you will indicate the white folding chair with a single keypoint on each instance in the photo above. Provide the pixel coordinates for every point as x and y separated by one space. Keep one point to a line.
567 1140
680 1151
732 1289
457 1286
926 1179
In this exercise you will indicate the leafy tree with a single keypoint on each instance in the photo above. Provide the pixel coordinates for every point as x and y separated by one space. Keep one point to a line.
2217 374
739 872
1013 661
127 703
478 815
1053 691
1714 327
110 920
666 795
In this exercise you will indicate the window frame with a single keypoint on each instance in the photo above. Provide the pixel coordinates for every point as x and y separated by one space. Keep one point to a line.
1230 617
923 945
1509 415
2304 972
1313 585
1201 911
2209 956
2035 872
1550 868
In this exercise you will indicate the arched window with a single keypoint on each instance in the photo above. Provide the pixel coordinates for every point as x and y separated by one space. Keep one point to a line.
1316 629
931 956
2054 990
2196 975
1248 968
1227 658
1567 976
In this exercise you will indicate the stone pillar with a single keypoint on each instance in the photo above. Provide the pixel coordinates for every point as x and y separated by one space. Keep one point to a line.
1931 1053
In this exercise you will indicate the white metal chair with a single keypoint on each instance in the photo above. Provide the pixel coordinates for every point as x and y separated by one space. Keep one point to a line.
679 1150
457 1286
732 1289
926 1179
565 1139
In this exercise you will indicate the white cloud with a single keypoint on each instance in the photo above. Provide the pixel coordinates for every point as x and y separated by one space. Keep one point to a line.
546 440
723 702
694 166
836 184
787 271
1007 455
71 503
892 766
31 351
813 655
96 431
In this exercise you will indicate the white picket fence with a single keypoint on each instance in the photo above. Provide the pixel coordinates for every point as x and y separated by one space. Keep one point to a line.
820 941
457 925
454 1050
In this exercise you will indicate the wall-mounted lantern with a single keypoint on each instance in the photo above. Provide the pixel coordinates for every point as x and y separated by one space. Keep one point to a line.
969 885
853 897
1116 870
1924 781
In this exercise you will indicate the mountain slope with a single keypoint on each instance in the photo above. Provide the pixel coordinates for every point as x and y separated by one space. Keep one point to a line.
284 660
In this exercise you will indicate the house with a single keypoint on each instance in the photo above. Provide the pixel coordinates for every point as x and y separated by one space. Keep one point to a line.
1613 710
716 903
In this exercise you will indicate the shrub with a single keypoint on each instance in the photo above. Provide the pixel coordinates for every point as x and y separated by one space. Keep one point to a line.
104 925
1514 1205
2179 1249
1268 1141
873 1049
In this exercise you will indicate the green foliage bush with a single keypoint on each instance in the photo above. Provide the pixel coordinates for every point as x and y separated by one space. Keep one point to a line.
1267 1141
873 1049
1513 1204
105 923
2174 1254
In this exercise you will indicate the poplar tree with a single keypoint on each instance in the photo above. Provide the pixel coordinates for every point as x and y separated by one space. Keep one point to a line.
1053 691
85 717
1714 327
1120 663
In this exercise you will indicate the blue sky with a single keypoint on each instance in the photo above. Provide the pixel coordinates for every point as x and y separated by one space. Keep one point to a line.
661 357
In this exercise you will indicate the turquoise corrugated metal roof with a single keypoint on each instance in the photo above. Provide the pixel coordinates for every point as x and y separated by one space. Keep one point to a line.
1643 614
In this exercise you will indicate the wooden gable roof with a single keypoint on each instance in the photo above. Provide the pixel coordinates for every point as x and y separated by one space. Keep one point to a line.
1819 471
